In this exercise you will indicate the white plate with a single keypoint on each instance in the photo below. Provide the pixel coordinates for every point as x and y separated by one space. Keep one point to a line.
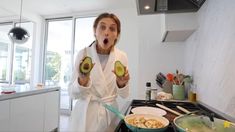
148 110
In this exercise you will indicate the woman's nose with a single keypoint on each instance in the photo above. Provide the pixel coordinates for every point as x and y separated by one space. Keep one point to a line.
106 33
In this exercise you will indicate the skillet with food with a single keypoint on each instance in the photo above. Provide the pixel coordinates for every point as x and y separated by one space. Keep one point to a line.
141 122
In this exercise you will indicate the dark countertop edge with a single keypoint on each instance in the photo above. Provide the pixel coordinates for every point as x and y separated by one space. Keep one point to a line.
226 116
28 93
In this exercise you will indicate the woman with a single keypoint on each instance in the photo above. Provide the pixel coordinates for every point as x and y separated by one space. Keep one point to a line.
101 84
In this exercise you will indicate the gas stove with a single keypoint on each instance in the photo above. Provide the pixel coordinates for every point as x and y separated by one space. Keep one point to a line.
121 127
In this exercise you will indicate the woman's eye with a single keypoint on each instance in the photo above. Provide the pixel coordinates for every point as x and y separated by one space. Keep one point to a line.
102 27
113 29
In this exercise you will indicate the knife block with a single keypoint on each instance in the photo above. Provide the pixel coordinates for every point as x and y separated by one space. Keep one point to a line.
167 87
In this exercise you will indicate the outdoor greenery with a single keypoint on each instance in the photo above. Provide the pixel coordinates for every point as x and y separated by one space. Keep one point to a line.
3 77
19 75
53 66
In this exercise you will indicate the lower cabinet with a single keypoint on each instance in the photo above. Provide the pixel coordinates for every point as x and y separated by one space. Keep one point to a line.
27 113
4 115
32 113
51 116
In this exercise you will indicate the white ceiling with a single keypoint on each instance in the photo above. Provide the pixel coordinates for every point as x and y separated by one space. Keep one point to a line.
56 7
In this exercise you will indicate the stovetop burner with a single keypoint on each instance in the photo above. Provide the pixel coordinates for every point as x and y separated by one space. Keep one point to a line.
170 104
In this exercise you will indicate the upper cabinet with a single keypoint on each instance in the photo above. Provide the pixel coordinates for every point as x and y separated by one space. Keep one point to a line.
178 27
178 17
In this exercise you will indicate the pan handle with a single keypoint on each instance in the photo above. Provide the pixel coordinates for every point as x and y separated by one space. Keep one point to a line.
114 110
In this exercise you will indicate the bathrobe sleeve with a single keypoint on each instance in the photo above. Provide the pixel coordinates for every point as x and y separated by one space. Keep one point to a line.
75 89
123 92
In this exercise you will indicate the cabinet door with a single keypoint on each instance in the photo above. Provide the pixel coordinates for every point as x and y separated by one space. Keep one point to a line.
4 115
27 113
51 111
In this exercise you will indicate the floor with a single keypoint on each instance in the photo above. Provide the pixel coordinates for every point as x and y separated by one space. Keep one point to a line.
64 122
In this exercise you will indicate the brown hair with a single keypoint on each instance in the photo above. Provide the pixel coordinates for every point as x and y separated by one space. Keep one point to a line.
108 15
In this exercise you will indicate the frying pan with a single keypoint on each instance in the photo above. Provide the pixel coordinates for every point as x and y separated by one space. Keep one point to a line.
201 123
131 116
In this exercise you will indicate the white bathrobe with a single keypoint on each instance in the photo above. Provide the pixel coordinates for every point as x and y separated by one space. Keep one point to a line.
88 113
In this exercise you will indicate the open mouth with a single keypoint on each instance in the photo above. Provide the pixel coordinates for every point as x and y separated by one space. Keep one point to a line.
105 41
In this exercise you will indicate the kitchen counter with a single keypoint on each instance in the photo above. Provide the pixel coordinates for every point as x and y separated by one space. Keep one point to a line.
22 90
38 107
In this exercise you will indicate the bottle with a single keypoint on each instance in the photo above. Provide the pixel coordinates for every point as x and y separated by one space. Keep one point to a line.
192 93
148 91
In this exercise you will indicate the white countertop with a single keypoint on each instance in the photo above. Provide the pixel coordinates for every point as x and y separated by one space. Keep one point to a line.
22 90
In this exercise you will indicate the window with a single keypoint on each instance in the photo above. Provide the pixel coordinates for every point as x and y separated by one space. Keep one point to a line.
15 59
22 58
5 45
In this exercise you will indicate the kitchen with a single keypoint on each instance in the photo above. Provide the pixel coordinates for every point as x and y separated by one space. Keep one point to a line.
206 54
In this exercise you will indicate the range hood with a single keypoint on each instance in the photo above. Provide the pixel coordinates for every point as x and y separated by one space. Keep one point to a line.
167 6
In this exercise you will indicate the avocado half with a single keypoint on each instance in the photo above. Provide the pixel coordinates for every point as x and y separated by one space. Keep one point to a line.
119 69
86 65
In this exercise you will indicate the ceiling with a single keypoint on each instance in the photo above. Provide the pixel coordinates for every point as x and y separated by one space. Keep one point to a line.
56 7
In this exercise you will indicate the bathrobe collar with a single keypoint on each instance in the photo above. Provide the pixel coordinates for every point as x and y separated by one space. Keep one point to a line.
103 77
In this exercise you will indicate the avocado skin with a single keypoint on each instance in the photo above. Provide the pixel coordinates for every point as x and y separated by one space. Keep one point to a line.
86 65
119 69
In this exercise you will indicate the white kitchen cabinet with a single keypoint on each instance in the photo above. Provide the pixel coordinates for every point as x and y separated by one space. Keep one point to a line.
4 115
30 111
51 111
27 113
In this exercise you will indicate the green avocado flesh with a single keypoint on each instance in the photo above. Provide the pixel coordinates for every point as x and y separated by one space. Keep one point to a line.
86 65
119 69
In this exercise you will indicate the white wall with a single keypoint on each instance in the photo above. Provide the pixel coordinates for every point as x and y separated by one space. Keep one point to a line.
210 55
155 56
147 55
129 43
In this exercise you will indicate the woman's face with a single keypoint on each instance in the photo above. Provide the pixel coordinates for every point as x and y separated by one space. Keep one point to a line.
106 34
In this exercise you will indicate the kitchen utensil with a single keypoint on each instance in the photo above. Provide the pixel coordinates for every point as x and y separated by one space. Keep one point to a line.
160 79
183 109
167 86
200 123
161 119
148 110
114 110
168 109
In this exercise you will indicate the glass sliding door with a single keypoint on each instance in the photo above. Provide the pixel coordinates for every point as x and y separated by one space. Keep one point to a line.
65 38
84 35
58 58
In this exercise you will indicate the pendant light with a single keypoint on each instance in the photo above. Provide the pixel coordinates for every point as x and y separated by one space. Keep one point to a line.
18 34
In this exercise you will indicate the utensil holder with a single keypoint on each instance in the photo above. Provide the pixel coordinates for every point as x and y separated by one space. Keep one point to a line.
178 92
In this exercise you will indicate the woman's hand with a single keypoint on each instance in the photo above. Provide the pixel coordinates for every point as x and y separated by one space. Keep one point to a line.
123 80
83 79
